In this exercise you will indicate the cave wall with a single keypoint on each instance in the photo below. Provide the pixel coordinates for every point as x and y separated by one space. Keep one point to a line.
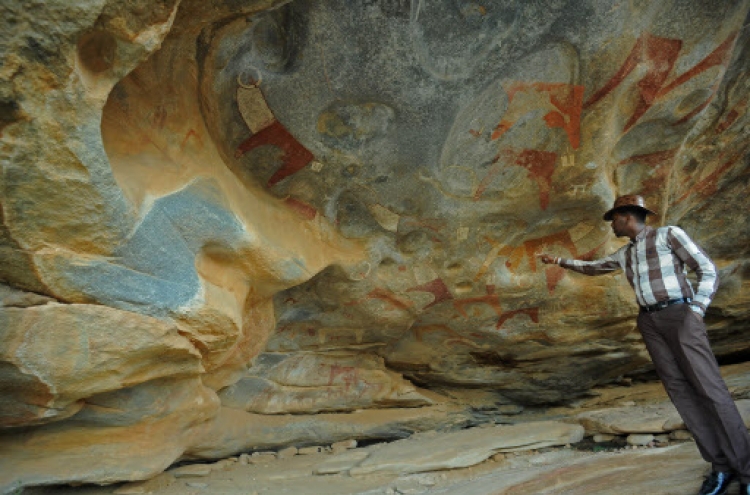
215 215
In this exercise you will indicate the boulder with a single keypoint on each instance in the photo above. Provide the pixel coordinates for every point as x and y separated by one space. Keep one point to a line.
57 356
465 448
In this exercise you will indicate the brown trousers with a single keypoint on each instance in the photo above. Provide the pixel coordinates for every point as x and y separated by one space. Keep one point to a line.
678 344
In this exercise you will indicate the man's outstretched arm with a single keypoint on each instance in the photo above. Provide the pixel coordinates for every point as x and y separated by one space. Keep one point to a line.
608 264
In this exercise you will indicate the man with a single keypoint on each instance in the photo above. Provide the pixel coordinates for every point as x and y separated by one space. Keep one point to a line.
671 323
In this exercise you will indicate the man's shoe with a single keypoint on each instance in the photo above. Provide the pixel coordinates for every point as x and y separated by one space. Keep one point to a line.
716 483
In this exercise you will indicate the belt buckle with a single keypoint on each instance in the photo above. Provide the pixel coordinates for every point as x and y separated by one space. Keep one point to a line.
662 304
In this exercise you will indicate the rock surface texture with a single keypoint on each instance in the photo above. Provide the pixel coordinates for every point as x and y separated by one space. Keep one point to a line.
237 225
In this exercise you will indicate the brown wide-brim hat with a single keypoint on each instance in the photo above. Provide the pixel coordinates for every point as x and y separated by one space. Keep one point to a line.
628 202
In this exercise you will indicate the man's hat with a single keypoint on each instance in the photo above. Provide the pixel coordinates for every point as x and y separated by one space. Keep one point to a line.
627 202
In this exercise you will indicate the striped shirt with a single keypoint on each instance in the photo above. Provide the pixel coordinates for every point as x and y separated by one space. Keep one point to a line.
655 264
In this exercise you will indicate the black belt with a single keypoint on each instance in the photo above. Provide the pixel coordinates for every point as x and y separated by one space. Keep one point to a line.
663 304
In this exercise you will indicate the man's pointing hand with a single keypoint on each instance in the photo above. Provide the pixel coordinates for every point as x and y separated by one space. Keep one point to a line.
547 259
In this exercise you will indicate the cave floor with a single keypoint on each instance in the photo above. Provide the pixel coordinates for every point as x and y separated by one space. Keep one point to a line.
676 469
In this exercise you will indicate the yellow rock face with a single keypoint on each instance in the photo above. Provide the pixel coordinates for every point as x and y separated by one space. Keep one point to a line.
58 355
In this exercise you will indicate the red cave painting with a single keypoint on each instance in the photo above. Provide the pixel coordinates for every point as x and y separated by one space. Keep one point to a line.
732 116
719 57
349 375
441 292
492 300
390 297
296 156
565 101
384 295
657 161
437 288
514 254
159 117
659 56
540 164
564 104
191 134
654 159
553 276
534 246
491 174
346 374
532 313
589 255
700 107
305 210
530 249
427 223
709 185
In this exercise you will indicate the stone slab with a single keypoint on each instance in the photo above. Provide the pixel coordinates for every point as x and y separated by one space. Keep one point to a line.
464 448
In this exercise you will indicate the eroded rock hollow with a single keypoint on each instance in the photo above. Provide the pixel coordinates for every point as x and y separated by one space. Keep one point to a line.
233 225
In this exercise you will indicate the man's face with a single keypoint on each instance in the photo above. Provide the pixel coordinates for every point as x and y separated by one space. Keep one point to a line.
619 223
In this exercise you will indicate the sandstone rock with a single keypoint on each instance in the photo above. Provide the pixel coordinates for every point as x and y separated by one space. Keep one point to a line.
341 462
236 431
661 439
601 437
737 378
344 445
629 471
653 418
12 297
681 435
101 453
310 450
48 372
287 452
155 484
640 439
223 464
464 448
290 451
191 470
510 409
311 383
744 408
